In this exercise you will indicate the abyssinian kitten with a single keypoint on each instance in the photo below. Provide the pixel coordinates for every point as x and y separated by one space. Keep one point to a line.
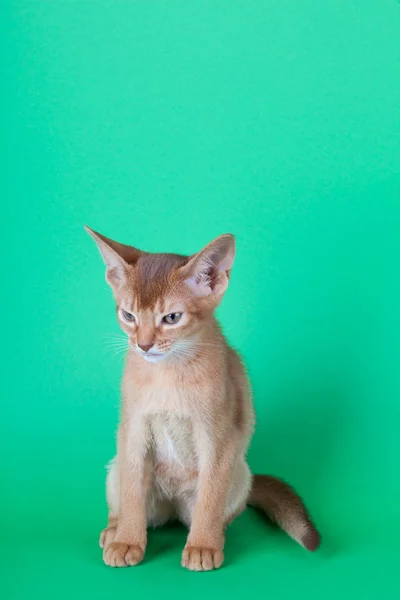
187 414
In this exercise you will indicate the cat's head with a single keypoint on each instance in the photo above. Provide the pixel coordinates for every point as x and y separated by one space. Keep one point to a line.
164 300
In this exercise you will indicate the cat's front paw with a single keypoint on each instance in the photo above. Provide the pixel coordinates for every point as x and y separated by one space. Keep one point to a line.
196 558
117 554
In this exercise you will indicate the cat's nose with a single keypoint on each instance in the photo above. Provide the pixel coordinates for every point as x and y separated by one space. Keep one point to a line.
145 347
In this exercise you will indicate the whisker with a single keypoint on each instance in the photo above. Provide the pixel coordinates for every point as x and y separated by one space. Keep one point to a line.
190 350
113 336
179 351
119 351
115 344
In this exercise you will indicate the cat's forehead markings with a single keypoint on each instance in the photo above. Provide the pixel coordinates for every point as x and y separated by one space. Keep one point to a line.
153 277
159 306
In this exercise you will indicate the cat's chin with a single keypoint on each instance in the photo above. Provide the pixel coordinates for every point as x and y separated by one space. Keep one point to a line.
154 358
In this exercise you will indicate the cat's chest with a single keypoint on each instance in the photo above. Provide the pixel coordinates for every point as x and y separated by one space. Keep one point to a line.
172 439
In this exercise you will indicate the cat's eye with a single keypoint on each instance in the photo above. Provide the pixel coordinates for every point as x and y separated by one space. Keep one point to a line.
128 316
172 318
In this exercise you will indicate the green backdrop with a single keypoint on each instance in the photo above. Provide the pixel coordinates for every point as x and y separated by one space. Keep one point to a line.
164 124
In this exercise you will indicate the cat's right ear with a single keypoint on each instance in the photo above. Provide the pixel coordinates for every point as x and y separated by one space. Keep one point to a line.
117 257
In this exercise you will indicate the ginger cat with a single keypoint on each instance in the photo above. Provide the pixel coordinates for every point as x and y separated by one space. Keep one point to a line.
187 415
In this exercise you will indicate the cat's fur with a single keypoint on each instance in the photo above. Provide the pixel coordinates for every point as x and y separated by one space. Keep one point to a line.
187 414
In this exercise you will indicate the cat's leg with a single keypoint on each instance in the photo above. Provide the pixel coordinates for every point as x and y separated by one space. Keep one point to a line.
236 501
159 510
239 490
135 473
221 494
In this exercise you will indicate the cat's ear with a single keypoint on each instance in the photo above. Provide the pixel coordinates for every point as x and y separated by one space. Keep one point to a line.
117 257
207 272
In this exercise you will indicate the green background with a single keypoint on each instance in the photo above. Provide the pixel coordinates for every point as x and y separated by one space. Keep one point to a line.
164 124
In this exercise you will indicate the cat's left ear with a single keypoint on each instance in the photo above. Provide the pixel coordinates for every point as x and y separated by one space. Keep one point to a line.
207 273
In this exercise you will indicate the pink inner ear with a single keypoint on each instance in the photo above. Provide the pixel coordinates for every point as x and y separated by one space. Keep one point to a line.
200 288
210 268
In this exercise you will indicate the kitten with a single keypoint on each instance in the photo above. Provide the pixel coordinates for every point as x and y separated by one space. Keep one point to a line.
187 414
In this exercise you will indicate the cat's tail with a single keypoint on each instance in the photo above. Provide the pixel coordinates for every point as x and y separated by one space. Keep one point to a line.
284 507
